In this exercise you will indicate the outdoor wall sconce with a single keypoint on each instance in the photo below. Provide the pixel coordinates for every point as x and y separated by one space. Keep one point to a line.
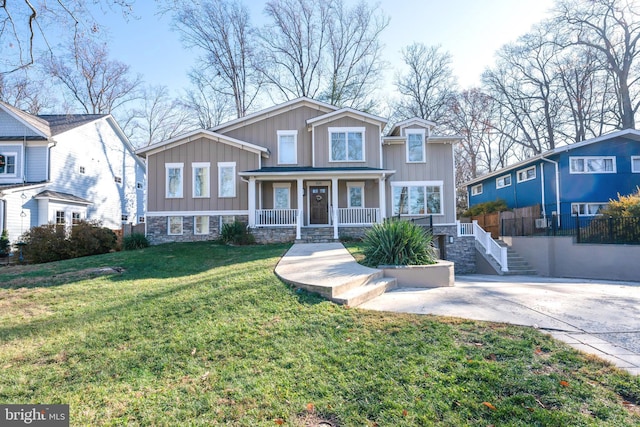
450 240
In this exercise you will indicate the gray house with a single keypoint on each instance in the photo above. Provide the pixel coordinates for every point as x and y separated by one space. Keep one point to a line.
301 170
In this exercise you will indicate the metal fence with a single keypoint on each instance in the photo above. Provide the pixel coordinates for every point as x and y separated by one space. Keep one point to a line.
586 229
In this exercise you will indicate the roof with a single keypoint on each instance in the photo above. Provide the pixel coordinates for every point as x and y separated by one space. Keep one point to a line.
59 123
294 170
625 133
198 133
39 125
346 112
63 197
395 130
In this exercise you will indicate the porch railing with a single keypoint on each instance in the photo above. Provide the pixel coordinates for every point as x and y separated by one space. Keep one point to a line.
493 249
276 217
358 216
464 228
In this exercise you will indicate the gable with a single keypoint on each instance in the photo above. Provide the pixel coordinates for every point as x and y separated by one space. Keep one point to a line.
12 128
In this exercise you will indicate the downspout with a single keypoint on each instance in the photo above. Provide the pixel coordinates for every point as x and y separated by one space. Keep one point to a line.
557 187
543 201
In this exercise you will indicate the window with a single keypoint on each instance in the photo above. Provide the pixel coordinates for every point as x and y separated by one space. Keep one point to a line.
287 147
346 144
587 209
476 190
226 179
82 170
503 181
118 180
592 164
355 194
526 174
226 219
141 219
635 164
417 198
175 225
60 218
8 167
139 185
201 179
201 225
415 146
124 218
174 180
281 196
75 218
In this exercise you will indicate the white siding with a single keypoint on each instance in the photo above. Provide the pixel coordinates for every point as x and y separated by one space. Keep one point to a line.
9 126
36 163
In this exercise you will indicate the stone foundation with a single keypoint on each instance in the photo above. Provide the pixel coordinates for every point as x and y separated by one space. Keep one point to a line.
157 232
462 251
266 235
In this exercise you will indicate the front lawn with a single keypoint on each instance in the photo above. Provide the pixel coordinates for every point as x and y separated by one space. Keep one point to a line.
203 334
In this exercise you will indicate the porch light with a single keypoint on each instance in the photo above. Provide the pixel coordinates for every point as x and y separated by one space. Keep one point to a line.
450 240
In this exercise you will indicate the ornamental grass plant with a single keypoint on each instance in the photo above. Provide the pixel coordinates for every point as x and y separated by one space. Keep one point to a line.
398 242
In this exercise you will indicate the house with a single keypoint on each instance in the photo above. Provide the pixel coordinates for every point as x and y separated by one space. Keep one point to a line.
64 168
579 178
301 170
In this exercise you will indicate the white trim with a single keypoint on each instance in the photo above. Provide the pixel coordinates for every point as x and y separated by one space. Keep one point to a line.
586 204
504 184
477 193
221 166
293 133
633 170
311 183
277 185
439 184
15 163
526 178
346 131
200 165
195 213
360 185
585 160
195 233
347 111
168 166
422 133
169 233
199 133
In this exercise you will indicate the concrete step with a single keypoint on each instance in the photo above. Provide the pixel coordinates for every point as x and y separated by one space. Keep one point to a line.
357 281
523 272
361 294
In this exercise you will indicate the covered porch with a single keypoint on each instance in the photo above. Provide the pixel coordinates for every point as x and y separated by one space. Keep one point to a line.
327 198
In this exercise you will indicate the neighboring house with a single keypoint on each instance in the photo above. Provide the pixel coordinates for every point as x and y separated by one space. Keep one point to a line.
579 178
64 168
299 170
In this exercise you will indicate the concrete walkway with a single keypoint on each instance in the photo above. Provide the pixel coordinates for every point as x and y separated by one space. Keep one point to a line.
596 317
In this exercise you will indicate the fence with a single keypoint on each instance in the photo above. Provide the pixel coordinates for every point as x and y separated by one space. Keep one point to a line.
586 229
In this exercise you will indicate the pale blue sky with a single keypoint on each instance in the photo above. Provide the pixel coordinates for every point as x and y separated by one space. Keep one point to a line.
471 30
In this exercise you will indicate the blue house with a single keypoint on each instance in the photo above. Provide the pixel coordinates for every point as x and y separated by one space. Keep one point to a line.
579 178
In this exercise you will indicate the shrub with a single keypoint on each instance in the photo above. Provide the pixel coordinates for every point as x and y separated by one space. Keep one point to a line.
486 208
237 234
90 238
398 243
625 206
5 245
135 241
46 243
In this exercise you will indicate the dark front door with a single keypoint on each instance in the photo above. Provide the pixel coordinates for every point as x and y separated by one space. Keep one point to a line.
319 202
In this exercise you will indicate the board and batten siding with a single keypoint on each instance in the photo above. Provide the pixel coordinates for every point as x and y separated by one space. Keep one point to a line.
265 134
438 167
200 150
371 138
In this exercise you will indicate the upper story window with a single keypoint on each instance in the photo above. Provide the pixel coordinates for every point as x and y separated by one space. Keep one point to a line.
635 164
415 146
346 144
82 170
476 190
282 196
118 180
417 198
355 194
503 181
226 179
139 185
174 180
526 174
124 218
8 164
201 179
592 164
287 147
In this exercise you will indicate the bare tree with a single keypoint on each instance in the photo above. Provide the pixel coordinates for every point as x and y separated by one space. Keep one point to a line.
95 82
428 86
222 30
26 24
203 101
26 91
612 29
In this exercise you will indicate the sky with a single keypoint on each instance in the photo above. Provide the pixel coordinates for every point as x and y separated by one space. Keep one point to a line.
471 30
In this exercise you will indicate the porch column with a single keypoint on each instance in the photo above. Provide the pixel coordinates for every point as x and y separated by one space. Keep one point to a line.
300 218
334 204
252 201
382 195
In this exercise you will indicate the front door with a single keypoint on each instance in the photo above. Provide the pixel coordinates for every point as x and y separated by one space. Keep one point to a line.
319 202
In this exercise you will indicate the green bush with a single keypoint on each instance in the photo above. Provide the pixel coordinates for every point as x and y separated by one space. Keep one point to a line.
237 234
135 241
46 243
90 238
486 208
398 243
5 245
625 206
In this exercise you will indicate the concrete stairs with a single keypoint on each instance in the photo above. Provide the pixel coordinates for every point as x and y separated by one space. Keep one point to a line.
516 264
316 235
362 289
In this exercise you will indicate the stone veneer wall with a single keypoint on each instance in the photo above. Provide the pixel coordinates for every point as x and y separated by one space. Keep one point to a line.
157 229
462 251
266 235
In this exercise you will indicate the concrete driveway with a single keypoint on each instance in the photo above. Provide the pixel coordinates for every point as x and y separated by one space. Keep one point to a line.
597 317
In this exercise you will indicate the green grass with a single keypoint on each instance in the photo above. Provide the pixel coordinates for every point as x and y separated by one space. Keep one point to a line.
203 334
